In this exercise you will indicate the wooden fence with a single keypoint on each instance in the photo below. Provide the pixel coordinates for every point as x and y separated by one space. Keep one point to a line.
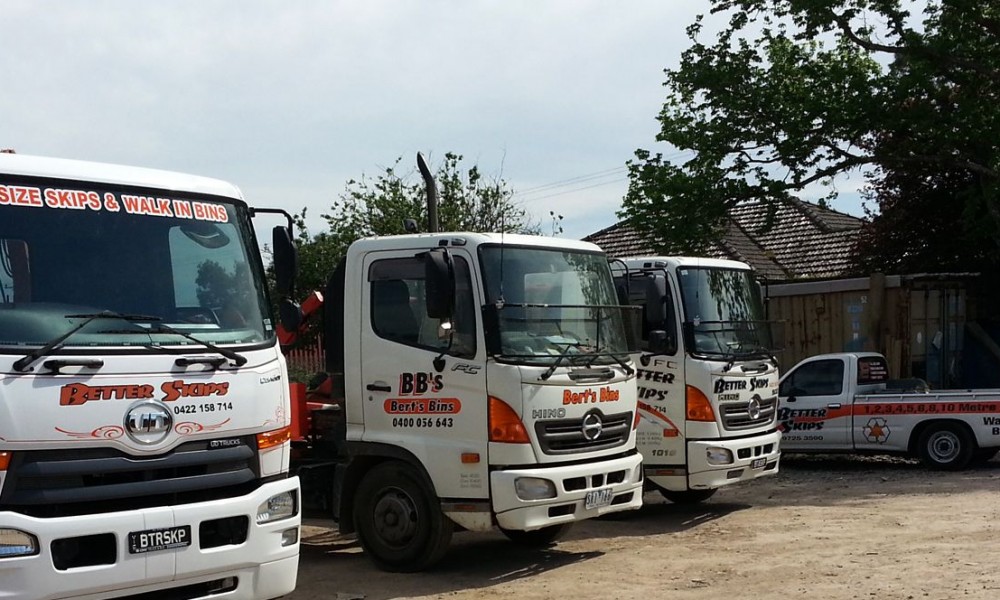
305 360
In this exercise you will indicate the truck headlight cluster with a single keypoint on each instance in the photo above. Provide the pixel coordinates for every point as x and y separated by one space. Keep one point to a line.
14 542
719 456
281 506
534 488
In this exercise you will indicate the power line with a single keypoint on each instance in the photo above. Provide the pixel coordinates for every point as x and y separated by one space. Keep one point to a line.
579 189
571 180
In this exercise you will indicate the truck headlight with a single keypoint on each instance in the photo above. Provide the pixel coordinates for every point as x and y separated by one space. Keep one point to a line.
14 542
281 506
719 456
534 488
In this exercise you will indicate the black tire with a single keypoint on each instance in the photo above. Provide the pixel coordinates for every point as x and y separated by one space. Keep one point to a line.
399 522
687 497
538 538
945 446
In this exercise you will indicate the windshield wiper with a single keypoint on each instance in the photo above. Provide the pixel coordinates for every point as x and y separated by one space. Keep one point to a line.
21 365
238 359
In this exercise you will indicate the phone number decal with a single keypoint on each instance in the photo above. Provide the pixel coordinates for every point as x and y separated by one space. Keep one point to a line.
423 422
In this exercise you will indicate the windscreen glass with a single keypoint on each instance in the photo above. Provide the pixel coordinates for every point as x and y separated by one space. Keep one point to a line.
723 312
549 303
70 250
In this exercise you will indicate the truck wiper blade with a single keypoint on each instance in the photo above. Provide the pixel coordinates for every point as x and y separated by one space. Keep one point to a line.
562 355
21 364
238 359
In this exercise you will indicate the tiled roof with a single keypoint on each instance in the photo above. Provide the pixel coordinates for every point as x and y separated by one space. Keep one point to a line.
806 241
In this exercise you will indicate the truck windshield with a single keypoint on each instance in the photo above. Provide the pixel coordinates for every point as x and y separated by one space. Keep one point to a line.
554 305
723 312
75 249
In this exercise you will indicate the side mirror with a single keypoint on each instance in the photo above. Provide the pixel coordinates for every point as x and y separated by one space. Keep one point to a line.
286 261
656 300
661 342
290 314
439 279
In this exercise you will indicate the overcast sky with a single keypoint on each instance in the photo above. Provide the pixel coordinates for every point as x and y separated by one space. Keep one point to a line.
289 100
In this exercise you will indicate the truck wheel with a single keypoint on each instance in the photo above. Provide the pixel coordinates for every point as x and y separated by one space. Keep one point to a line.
538 538
687 496
945 446
398 521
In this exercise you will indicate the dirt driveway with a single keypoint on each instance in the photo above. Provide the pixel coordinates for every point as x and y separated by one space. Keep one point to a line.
825 527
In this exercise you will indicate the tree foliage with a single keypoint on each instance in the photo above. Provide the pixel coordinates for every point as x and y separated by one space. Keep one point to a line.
793 92
467 201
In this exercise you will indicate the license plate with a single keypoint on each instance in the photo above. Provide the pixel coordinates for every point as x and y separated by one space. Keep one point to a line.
152 540
758 463
597 498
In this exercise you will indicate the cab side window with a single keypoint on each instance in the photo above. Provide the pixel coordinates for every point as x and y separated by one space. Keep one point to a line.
399 313
819 378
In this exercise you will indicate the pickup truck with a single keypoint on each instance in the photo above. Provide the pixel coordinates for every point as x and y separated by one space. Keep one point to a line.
845 402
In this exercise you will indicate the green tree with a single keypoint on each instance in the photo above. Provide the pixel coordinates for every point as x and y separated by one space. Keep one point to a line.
795 92
468 201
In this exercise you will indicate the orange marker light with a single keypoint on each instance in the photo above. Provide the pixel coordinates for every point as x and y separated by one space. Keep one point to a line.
505 425
470 458
270 439
698 406
5 460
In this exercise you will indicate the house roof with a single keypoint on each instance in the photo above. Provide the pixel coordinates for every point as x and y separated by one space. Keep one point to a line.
804 240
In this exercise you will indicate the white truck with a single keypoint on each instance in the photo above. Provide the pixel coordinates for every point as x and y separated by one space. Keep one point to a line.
475 380
144 411
845 402
707 381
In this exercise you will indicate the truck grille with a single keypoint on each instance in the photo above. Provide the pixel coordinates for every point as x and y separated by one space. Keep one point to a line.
53 483
567 436
736 415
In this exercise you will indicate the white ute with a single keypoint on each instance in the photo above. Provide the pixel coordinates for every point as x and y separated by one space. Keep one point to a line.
843 403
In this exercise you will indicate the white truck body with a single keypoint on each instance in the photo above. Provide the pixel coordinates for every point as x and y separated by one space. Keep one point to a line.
840 403
526 420
133 457
734 437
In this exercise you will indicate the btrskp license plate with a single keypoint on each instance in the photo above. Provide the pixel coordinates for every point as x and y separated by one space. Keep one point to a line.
152 540
758 463
597 498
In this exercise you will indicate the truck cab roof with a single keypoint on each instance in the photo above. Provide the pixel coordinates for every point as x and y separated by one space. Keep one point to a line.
652 262
470 240
78 170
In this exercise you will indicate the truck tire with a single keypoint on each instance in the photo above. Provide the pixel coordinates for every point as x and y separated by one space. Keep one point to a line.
687 496
945 446
399 522
538 538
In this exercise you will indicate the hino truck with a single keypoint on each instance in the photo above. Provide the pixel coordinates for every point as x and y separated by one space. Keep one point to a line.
144 411
845 402
473 381
707 379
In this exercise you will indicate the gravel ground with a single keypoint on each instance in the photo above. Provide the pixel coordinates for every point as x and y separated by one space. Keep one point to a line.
824 527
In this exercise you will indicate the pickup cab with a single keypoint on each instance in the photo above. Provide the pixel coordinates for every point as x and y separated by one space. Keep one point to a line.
845 402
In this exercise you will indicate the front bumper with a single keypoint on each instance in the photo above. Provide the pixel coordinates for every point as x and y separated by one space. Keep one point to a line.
261 566
623 475
762 448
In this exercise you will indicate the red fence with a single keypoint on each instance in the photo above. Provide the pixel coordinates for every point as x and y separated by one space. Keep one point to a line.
306 359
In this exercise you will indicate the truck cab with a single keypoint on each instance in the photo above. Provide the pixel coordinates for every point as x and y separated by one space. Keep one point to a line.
707 380
143 406
486 381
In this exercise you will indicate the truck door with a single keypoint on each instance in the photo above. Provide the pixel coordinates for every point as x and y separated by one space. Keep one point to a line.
815 412
425 379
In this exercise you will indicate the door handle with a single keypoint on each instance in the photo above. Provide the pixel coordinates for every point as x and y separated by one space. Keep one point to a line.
834 405
378 387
